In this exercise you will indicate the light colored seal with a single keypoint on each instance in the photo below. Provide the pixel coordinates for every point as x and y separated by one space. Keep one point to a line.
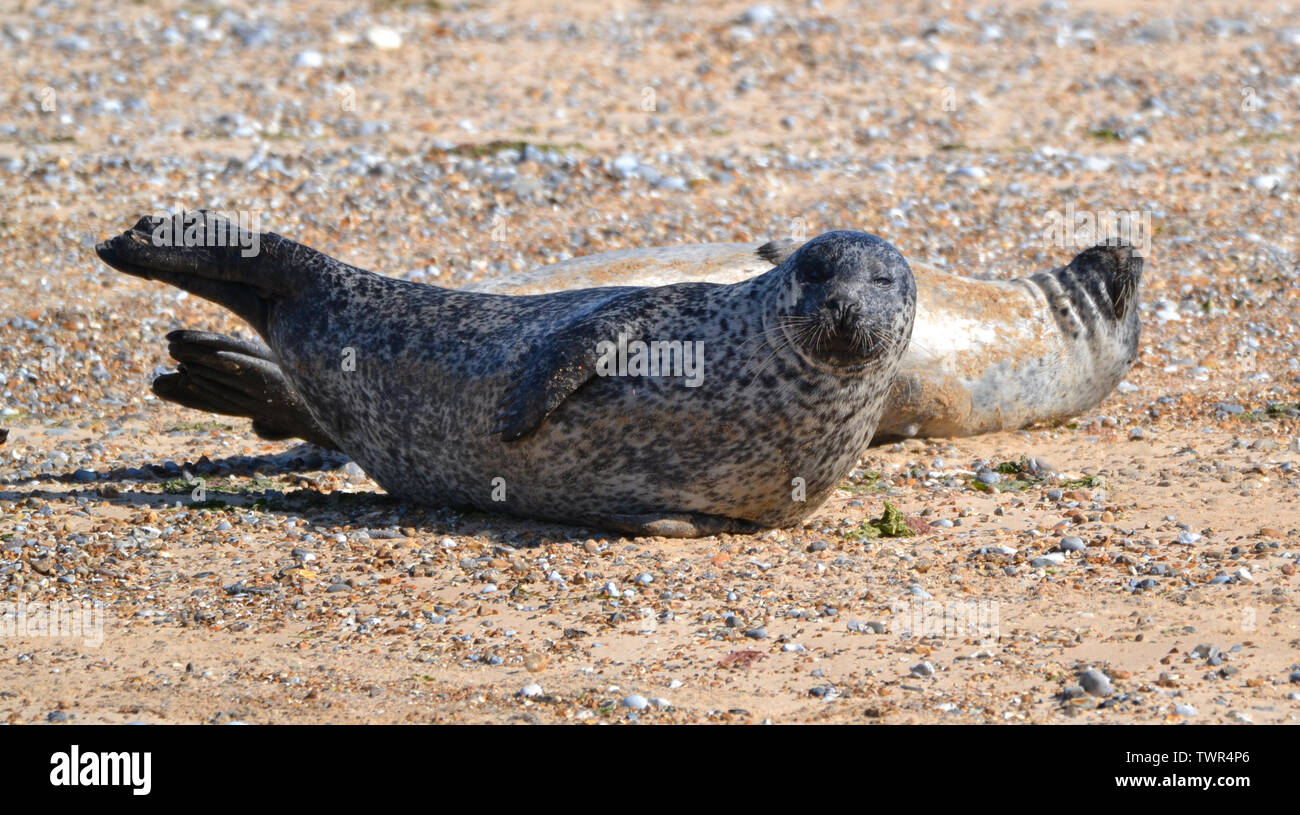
537 405
986 355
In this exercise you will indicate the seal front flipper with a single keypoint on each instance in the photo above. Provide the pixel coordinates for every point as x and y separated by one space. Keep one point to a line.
567 358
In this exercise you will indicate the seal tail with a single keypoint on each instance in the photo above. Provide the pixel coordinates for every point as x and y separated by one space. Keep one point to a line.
235 377
214 258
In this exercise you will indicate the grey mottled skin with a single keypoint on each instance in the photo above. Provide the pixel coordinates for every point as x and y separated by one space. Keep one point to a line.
453 390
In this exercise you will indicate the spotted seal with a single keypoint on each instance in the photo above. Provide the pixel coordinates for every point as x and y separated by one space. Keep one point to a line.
986 354
500 402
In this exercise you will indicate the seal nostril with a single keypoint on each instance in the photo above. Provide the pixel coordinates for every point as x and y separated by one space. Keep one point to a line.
844 311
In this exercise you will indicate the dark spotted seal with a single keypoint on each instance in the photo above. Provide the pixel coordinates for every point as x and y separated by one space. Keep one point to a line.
552 406
986 355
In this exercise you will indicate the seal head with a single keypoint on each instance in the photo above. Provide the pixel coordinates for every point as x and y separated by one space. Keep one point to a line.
852 297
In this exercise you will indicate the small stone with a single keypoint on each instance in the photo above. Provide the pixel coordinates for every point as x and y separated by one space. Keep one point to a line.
308 59
625 166
757 633
923 669
1072 543
1051 559
531 690
1186 711
1265 183
383 37
1095 682
636 702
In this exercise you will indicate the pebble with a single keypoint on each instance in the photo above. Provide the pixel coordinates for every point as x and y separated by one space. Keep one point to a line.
1072 543
1095 682
625 166
308 59
636 702
922 669
1265 183
1051 559
1186 711
531 690
383 37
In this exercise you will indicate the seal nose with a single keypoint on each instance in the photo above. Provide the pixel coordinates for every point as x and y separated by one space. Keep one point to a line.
845 312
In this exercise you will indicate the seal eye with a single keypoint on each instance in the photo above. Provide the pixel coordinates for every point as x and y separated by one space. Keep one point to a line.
883 282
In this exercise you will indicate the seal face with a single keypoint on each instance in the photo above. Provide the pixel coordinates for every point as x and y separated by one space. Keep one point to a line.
852 293
507 403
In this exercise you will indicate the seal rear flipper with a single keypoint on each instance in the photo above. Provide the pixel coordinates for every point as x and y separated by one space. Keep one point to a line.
1118 268
1102 283
677 525
775 252
214 258
233 377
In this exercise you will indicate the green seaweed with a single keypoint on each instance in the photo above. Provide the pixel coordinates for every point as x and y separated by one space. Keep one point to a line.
890 524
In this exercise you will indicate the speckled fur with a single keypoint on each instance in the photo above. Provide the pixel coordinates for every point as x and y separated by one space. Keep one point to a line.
434 367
